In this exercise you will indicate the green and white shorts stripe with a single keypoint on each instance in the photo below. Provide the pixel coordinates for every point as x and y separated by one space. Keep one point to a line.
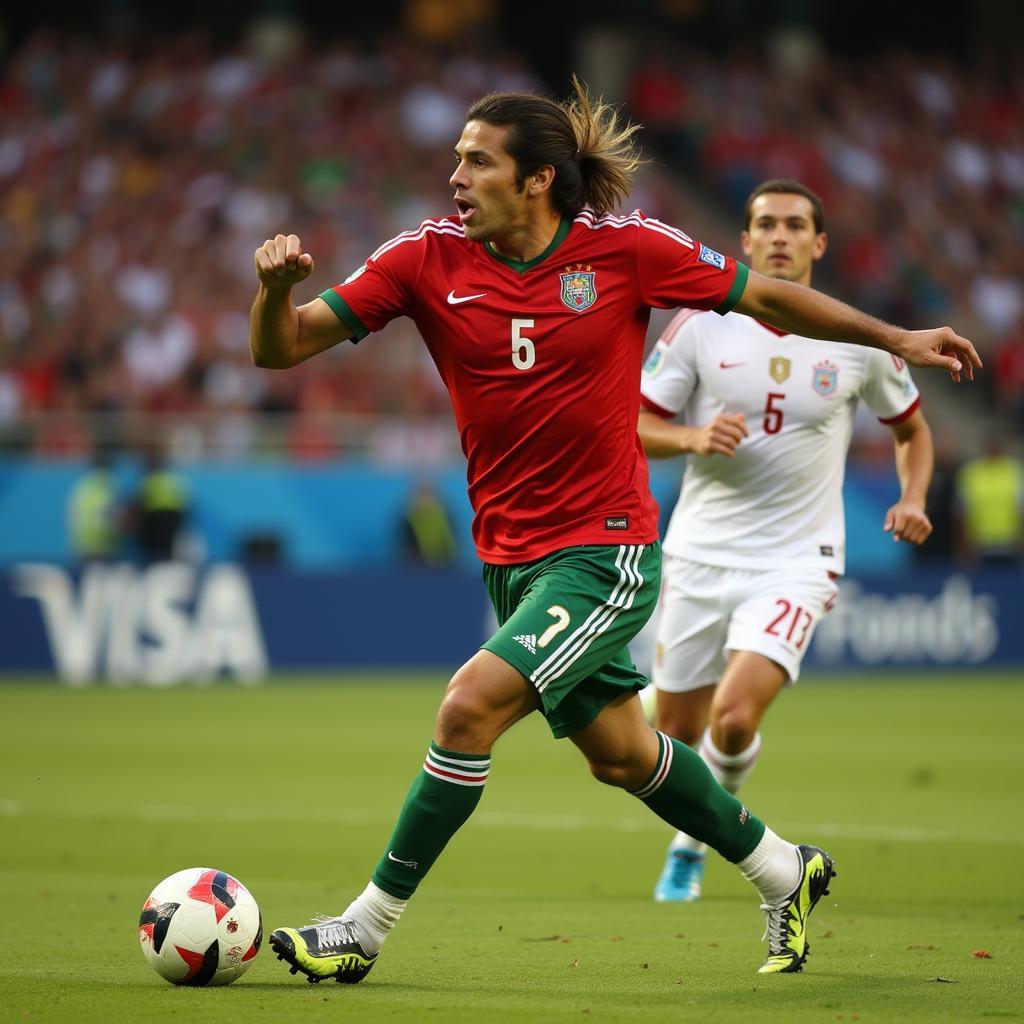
599 621
565 622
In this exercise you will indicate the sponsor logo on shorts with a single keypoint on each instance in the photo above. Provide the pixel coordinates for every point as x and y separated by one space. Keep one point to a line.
826 550
528 640
616 523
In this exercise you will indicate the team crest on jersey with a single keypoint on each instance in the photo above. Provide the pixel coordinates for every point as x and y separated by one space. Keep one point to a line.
826 377
778 368
578 289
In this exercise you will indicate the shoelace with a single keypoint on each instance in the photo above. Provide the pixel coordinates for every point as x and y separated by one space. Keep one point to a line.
333 931
774 918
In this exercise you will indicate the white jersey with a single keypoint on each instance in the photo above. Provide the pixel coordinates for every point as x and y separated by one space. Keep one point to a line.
779 501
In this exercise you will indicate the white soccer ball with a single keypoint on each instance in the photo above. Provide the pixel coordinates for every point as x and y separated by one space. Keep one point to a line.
200 926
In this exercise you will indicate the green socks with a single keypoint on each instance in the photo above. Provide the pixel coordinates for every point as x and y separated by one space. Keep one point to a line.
441 799
683 792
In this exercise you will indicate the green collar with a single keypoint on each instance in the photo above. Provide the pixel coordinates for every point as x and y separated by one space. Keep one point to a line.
520 267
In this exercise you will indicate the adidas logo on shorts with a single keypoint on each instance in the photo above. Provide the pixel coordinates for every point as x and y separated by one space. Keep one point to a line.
528 640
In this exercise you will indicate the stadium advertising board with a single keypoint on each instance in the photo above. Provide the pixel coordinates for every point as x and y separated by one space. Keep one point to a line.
944 620
172 623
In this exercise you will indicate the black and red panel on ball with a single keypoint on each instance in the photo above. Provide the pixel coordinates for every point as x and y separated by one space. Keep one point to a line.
218 889
255 947
155 920
201 966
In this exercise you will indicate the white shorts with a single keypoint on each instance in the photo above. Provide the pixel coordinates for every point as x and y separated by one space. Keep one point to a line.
706 612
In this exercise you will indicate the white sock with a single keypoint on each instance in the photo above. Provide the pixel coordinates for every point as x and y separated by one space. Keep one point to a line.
774 867
375 913
730 770
684 842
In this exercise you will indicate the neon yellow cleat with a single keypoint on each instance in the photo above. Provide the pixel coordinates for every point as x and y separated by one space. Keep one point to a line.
328 948
786 921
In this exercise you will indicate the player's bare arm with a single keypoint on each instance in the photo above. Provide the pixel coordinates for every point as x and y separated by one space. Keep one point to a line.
662 440
799 310
280 334
915 459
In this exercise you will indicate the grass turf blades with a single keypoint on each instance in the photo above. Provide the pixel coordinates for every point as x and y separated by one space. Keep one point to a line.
541 908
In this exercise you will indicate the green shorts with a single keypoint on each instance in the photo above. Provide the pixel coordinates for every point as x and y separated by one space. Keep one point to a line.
565 620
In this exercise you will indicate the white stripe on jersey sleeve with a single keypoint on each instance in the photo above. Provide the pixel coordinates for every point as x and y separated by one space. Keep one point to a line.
436 227
635 219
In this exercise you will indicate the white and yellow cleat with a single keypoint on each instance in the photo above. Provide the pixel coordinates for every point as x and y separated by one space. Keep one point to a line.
786 920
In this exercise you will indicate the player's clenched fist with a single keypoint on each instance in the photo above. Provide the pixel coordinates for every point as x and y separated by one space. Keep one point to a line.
281 263
908 521
721 435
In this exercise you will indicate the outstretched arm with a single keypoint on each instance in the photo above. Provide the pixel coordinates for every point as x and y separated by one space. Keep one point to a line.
799 310
281 334
915 459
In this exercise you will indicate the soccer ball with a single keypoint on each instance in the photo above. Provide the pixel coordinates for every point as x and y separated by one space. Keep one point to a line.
200 927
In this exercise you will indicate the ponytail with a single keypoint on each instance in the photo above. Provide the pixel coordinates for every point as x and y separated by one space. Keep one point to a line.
593 154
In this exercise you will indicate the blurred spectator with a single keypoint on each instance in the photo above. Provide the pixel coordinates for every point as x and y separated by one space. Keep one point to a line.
427 534
1007 374
156 517
990 493
941 506
94 512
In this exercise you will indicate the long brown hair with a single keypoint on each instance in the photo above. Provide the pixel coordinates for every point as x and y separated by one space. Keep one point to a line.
592 151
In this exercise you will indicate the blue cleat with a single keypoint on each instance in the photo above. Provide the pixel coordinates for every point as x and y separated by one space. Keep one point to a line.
681 878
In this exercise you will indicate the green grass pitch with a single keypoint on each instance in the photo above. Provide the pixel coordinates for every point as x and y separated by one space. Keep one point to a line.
541 909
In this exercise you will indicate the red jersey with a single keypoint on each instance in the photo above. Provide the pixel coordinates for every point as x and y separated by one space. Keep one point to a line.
542 362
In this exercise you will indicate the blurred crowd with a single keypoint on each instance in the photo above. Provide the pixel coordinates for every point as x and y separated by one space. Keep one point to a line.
134 188
920 164
135 184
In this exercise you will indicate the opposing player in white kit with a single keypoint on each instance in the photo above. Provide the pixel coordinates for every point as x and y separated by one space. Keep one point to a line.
757 540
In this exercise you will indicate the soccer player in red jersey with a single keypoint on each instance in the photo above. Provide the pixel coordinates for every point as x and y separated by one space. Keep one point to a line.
533 301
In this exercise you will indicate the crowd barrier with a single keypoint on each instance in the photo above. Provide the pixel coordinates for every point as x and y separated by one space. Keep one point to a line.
340 516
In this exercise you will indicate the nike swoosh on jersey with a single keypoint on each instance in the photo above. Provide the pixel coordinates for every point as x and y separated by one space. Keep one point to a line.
454 300
729 366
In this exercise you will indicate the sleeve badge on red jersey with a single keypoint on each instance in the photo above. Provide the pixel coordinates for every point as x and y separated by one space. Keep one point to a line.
826 377
578 289
716 259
